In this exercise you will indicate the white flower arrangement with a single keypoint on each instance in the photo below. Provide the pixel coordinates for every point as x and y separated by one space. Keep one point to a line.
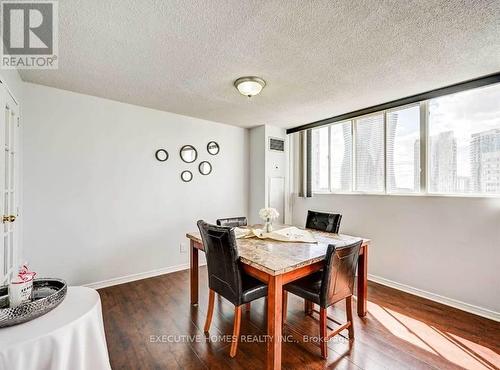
268 214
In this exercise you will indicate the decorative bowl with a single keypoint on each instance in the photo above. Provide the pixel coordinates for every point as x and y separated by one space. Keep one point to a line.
46 295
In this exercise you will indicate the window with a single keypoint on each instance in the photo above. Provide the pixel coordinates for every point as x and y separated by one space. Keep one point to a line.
320 160
382 152
403 150
464 138
370 154
341 157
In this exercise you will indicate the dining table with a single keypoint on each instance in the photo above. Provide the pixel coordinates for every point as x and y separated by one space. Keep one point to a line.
278 263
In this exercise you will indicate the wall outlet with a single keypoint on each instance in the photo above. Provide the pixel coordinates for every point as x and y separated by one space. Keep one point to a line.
183 248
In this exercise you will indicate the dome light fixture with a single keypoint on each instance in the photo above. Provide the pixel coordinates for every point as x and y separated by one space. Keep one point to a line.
249 86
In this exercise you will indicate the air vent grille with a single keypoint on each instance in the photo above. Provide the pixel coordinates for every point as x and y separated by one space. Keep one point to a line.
277 145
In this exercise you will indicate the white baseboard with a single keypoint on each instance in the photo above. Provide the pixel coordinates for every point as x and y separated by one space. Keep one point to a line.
377 279
139 276
437 298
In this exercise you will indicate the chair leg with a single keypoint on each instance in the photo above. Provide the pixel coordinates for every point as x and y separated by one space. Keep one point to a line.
323 332
247 307
348 310
210 311
308 307
236 331
284 305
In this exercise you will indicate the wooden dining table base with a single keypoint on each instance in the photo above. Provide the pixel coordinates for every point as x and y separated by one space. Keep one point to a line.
275 291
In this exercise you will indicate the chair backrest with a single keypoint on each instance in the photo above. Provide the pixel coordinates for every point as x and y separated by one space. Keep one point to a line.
232 221
329 222
224 275
339 272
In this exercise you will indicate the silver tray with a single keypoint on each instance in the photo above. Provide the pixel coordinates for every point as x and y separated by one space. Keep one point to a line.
47 294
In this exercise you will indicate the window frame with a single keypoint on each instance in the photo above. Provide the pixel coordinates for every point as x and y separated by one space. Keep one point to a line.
329 150
424 158
354 124
351 121
428 161
422 138
353 159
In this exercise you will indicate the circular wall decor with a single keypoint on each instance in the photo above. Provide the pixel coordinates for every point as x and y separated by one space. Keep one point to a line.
186 176
213 148
188 153
161 155
205 168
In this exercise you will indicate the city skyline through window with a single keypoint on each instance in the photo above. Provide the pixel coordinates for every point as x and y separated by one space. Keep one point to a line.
464 131
461 132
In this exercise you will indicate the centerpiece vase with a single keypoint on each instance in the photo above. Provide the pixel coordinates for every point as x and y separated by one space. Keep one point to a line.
268 227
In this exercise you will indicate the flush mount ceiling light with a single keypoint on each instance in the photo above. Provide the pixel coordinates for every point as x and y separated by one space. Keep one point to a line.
249 86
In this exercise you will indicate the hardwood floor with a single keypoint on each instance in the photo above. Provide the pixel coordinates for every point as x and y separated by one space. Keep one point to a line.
151 325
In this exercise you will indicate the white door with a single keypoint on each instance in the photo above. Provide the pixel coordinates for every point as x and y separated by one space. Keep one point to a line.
9 184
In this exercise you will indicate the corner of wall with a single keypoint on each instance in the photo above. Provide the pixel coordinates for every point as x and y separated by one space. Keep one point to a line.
14 82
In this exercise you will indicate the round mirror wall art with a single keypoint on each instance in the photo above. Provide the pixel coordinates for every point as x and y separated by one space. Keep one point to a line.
186 176
161 155
205 168
188 153
213 148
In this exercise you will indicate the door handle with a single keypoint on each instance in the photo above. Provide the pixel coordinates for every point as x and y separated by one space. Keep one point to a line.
10 218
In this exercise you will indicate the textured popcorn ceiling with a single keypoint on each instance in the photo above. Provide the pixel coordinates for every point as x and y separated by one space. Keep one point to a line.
319 58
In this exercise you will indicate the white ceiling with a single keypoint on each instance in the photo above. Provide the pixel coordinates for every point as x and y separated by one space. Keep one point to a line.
319 58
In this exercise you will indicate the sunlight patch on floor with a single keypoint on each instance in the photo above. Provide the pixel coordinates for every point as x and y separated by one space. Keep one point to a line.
451 347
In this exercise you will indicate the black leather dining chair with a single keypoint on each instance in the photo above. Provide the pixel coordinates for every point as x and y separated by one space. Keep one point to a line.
327 287
329 222
232 221
225 275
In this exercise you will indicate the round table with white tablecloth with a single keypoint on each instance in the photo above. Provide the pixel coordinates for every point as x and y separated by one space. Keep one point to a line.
71 336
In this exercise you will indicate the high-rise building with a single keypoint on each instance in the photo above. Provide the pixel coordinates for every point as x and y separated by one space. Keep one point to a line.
370 162
392 121
443 171
403 155
485 161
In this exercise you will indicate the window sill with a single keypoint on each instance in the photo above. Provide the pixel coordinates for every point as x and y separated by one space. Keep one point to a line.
475 196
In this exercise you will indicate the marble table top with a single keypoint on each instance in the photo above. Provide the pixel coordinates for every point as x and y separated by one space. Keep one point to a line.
276 257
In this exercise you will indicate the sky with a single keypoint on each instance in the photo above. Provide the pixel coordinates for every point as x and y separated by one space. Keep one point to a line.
465 113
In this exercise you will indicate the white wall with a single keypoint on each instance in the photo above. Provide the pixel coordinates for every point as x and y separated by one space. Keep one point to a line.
258 186
97 203
276 172
13 81
265 164
443 245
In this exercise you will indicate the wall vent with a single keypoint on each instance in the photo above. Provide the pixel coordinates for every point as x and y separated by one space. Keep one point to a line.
278 145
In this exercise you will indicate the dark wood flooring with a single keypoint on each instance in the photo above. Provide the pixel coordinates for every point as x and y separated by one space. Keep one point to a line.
151 325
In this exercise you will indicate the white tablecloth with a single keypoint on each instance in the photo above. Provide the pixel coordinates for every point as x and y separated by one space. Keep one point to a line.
70 337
